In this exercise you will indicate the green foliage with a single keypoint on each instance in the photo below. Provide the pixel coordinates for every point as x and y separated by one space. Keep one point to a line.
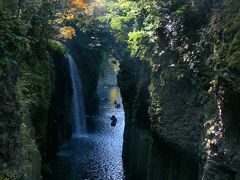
13 34
34 85
23 41
56 46
135 41
34 89
8 175
18 34
29 150
121 16
134 23
234 53
12 41
140 24
84 23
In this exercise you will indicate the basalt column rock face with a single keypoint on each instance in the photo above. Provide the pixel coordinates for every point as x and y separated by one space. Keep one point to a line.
133 80
188 128
221 128
146 155
59 125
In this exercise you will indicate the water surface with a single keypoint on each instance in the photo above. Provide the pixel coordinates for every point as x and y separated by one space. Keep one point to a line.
96 155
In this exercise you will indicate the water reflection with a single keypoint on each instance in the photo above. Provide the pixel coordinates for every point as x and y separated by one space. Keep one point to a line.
113 95
97 156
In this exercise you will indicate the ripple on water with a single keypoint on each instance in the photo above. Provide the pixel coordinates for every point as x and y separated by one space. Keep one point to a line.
97 155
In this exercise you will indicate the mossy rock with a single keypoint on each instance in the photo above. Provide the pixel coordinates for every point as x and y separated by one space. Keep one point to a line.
56 46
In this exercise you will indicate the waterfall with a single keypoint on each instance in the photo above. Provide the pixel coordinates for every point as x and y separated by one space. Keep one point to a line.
77 105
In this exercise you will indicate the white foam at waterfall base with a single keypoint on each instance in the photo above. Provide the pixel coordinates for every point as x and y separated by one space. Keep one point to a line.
77 104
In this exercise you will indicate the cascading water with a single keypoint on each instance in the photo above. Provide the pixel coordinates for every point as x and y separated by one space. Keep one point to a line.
77 106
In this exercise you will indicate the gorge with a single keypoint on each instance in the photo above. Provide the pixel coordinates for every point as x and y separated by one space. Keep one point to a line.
171 66
96 152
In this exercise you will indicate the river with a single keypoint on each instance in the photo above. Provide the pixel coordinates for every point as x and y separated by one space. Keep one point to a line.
97 154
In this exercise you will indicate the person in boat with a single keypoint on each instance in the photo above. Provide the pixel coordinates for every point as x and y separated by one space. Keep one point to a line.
114 120
118 105
113 123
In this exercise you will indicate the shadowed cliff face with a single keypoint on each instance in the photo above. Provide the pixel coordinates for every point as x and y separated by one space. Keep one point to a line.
59 126
89 61
146 156
192 93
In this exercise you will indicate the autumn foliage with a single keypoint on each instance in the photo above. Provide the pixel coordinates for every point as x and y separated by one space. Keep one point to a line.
79 5
75 9
68 32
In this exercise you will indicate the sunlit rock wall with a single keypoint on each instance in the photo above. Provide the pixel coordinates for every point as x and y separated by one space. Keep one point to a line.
193 98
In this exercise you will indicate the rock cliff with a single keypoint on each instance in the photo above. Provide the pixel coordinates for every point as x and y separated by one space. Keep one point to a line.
190 93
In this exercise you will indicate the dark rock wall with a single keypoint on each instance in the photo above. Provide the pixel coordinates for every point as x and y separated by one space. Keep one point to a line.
89 59
59 127
35 102
191 130
145 155
168 162
135 96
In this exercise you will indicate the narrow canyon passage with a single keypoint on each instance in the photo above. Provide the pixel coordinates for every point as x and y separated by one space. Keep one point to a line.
119 90
98 153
